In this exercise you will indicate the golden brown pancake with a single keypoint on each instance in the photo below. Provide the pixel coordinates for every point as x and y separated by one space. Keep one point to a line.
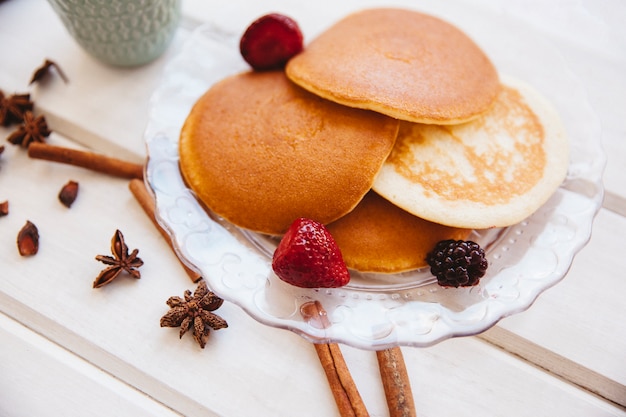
378 236
260 152
493 171
402 63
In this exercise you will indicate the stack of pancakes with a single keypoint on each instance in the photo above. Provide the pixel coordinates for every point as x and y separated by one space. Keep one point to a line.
392 127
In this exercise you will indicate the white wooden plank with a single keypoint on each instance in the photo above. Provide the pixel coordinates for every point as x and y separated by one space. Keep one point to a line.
590 36
580 317
116 327
586 36
557 365
500 385
52 291
102 107
594 52
39 378
615 203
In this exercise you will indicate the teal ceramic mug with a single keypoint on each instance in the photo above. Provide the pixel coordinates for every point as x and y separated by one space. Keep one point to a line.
121 32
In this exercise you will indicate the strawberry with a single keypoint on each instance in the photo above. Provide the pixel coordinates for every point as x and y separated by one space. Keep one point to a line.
308 257
270 41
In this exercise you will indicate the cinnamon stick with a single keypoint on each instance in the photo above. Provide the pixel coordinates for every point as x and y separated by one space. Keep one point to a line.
143 197
85 159
347 397
342 386
396 383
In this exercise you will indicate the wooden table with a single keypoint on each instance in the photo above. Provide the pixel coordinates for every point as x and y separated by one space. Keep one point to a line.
69 350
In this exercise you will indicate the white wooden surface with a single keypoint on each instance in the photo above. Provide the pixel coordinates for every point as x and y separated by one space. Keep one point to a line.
79 351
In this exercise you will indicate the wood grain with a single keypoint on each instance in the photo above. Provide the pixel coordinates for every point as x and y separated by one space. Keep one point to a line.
557 365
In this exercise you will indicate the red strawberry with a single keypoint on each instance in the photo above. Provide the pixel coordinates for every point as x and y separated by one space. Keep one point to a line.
308 257
270 41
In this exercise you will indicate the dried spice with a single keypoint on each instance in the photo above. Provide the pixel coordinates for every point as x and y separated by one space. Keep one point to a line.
44 70
68 193
13 108
85 159
34 129
28 240
195 311
144 198
4 208
120 261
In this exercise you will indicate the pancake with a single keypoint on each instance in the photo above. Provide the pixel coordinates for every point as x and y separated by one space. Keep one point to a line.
378 236
402 63
260 152
491 172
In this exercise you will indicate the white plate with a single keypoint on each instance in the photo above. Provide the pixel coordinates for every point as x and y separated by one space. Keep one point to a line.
378 311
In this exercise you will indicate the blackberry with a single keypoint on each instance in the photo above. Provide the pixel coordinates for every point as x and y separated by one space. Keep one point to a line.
457 263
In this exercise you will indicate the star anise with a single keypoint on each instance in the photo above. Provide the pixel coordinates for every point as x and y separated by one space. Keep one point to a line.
34 129
195 311
120 261
44 70
12 108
